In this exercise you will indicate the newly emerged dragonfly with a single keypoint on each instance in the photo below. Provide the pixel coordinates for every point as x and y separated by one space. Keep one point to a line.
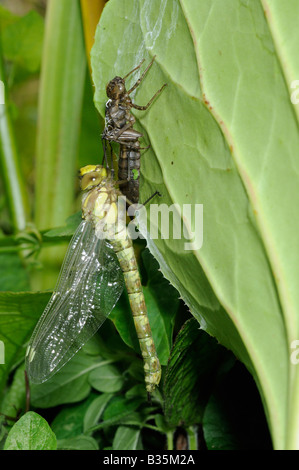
119 128
99 259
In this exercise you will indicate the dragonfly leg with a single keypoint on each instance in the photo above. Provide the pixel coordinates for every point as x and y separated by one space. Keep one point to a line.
156 193
138 206
143 108
122 130
104 143
136 68
111 160
129 203
142 76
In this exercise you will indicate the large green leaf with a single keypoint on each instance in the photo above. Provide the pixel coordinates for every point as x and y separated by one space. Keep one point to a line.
223 134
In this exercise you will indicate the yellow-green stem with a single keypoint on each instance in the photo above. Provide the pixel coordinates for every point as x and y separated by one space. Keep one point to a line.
13 180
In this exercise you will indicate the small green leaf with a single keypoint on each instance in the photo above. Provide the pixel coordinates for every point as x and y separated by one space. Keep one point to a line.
134 418
127 438
68 230
121 406
78 443
106 379
161 423
117 411
31 432
136 391
69 421
95 410
93 346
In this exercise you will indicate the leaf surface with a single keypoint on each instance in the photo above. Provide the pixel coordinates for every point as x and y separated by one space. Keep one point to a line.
223 134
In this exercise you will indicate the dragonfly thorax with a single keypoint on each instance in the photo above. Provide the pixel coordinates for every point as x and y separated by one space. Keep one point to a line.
99 206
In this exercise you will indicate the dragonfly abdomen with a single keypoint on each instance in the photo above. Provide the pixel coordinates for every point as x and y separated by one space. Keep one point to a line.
129 169
128 263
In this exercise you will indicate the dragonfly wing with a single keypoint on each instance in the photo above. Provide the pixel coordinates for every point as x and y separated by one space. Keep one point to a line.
89 285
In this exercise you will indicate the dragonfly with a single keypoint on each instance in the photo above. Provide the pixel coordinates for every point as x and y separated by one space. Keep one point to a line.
119 128
100 259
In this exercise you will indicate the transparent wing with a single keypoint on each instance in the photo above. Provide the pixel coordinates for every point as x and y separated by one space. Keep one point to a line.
89 285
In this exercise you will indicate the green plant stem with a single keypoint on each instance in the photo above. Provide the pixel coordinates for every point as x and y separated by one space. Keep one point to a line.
15 189
169 436
59 116
192 437
152 427
60 104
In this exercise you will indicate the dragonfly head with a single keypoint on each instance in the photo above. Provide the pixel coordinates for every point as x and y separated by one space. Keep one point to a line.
116 88
92 175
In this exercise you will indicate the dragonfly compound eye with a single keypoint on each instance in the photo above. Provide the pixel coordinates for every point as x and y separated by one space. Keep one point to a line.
91 176
90 180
